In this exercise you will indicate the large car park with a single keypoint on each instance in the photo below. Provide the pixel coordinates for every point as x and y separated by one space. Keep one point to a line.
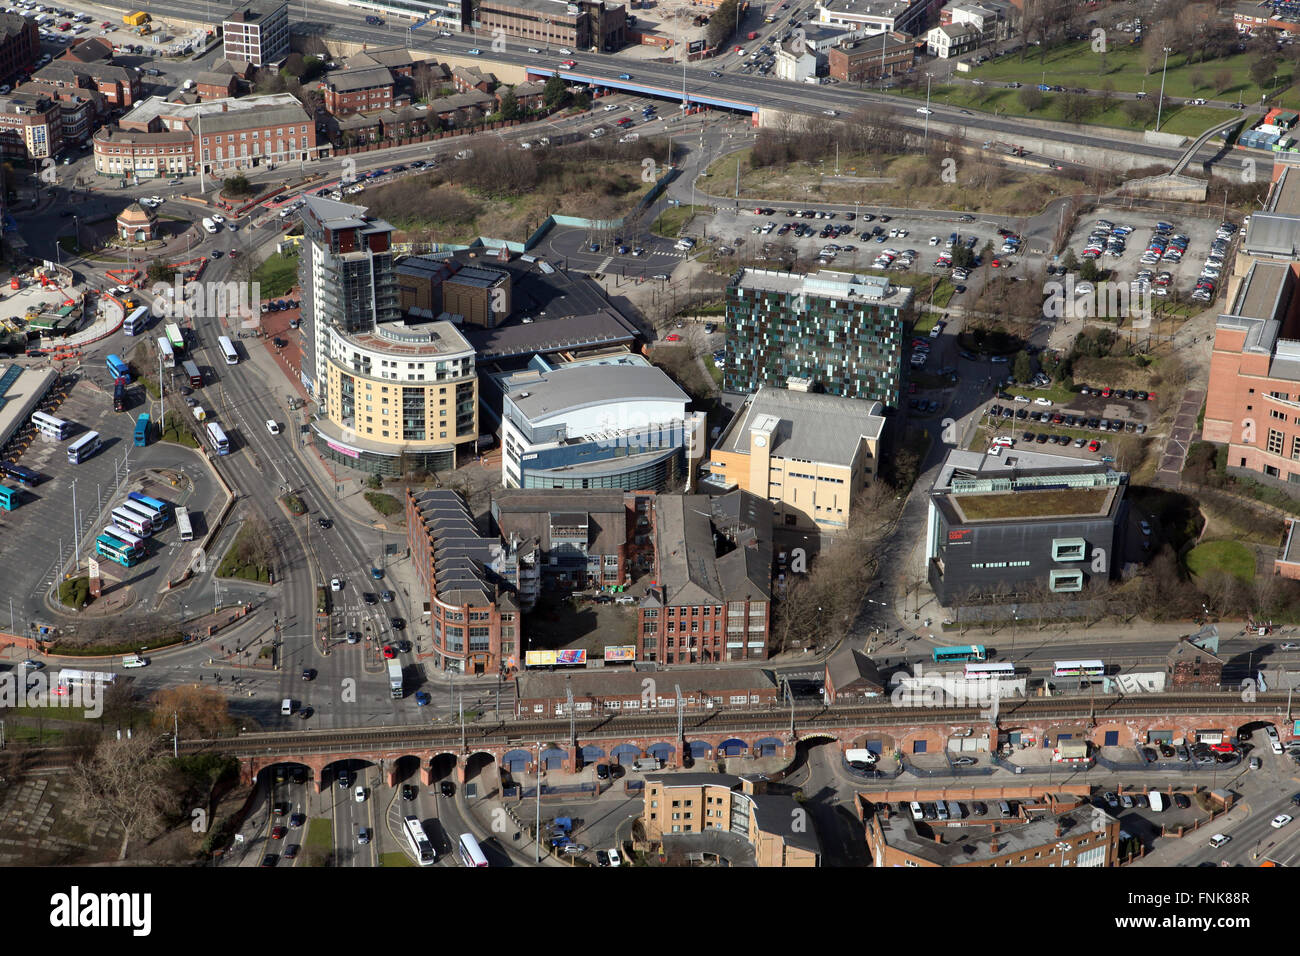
1153 256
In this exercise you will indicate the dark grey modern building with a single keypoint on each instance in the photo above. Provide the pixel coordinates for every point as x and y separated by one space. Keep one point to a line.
839 332
1018 525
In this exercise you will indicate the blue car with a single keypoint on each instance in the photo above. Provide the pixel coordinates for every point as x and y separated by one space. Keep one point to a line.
594 247
625 76
422 699
376 573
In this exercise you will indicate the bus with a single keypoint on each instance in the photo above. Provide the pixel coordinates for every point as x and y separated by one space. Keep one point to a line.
470 854
168 355
51 427
136 321
9 497
161 510
990 671
69 678
174 336
84 447
192 372
133 541
419 842
117 368
117 551
132 522
1079 669
228 350
24 476
965 652
142 430
183 525
217 439
138 509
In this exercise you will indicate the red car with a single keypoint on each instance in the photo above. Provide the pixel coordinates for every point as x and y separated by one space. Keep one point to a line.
389 651
1094 445
673 338
1151 396
1105 392
996 263
1223 748
569 64
277 833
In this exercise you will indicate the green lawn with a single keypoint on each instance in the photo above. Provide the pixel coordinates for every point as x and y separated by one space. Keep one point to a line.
713 370
395 859
277 275
924 323
671 220
1181 120
1075 64
1232 557
386 505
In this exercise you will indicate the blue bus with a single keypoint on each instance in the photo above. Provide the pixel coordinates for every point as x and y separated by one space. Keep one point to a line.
117 368
24 476
160 510
116 551
142 430
966 652
9 497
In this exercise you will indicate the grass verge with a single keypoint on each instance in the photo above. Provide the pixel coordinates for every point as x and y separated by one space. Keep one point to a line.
1231 557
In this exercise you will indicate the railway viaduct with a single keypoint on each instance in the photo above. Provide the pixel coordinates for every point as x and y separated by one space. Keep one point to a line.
515 747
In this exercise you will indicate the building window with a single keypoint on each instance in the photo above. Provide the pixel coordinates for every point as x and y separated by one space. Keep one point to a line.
1065 581
1275 440
1068 549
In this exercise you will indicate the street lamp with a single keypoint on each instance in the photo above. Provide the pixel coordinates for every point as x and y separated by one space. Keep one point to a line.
1160 103
928 77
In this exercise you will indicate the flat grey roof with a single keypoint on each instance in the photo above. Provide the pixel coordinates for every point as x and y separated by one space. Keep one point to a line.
551 335
813 427
1011 463
973 841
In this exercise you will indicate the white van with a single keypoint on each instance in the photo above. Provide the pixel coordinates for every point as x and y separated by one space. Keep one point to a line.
286 707
917 813
135 661
210 226
272 427
1157 801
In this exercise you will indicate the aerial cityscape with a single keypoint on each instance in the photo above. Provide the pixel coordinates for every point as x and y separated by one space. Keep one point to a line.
650 433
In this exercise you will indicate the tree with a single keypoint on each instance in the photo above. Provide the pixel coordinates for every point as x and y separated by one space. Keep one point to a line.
1222 80
555 93
236 185
123 783
582 100
722 23
510 105
1070 260
198 711
1031 99
1263 70
1022 367
1198 79
160 271
1077 107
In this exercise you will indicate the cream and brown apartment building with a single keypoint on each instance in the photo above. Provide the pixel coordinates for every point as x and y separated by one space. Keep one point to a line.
807 454
679 808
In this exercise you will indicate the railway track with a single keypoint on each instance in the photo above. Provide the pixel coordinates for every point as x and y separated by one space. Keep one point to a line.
807 721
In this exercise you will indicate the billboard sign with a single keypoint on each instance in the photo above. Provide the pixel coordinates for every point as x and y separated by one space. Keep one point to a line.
620 654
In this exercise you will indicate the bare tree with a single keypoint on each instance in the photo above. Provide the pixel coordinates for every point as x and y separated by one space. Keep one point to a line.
197 711
123 783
